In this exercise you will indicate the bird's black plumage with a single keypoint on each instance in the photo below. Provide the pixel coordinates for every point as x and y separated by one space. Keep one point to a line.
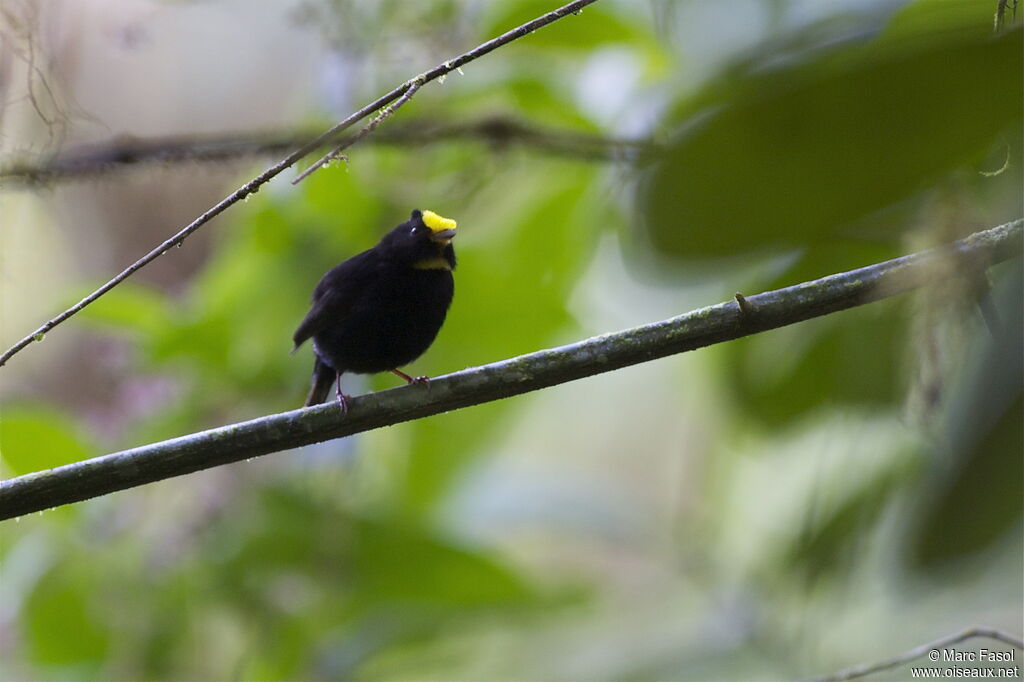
382 308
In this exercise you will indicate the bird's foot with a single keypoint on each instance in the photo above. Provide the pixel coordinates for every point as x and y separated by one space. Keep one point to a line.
343 399
421 380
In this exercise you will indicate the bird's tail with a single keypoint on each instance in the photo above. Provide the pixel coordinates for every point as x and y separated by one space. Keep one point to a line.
323 377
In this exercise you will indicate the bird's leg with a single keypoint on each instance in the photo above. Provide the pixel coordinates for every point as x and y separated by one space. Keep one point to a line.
342 398
422 380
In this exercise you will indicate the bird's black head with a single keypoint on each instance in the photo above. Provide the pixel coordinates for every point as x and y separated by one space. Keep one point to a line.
423 242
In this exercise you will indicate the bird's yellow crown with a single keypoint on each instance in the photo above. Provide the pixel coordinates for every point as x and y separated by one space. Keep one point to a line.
438 223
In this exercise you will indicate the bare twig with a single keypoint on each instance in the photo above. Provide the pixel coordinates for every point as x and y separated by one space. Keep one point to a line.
704 327
253 185
500 131
1001 8
369 128
919 651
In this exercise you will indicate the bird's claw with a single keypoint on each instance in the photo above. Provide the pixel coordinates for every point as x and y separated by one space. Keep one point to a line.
421 380
343 399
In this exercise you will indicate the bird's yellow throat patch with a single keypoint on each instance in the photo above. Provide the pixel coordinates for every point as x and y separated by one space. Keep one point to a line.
438 263
438 223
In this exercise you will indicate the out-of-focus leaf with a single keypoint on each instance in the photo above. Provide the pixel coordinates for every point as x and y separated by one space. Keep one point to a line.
790 157
36 438
395 562
538 99
529 94
829 545
312 573
376 562
925 18
593 27
60 625
973 505
981 502
131 306
852 358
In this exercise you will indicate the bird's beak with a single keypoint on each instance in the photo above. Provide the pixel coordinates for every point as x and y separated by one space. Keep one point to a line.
443 236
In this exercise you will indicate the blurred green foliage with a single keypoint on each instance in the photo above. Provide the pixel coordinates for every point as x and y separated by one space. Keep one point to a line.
852 359
743 505
983 441
39 437
811 145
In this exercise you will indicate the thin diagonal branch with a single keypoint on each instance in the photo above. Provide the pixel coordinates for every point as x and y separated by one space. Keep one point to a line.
696 329
253 185
387 112
919 651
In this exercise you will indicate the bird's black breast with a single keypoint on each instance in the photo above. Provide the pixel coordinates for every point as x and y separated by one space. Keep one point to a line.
394 318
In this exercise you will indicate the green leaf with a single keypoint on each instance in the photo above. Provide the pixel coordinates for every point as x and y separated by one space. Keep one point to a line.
847 359
975 504
37 438
830 546
130 306
395 562
529 93
373 563
595 28
792 156
926 18
62 625
591 28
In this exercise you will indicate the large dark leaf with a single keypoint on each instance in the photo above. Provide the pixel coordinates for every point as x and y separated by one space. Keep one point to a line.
844 360
790 157
974 503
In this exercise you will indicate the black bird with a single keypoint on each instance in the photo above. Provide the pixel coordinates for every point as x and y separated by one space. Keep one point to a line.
382 308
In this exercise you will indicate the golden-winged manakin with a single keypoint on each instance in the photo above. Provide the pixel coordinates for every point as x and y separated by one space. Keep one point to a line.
382 308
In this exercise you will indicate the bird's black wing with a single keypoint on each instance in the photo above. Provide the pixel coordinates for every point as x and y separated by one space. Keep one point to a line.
334 295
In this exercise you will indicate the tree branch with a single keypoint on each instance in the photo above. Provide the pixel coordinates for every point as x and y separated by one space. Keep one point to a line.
499 131
1001 8
696 329
253 185
919 651
369 128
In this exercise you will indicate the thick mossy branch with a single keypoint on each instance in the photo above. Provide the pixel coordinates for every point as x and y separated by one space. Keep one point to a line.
696 329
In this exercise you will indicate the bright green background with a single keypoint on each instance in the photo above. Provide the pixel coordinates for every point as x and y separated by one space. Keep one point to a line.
775 507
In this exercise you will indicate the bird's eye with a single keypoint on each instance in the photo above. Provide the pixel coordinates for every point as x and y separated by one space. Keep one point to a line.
413 230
